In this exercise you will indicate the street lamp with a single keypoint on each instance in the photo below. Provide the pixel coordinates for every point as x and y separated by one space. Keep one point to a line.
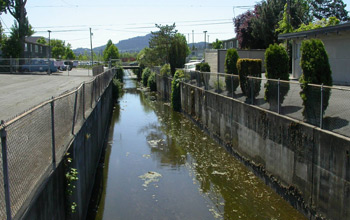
92 57
205 39
49 70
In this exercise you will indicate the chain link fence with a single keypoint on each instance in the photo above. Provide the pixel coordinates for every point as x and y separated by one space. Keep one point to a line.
321 106
33 142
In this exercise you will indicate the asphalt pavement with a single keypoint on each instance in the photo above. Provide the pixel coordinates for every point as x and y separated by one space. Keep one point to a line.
19 93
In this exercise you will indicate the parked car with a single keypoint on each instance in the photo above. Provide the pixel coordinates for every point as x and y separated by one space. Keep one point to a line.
38 65
69 64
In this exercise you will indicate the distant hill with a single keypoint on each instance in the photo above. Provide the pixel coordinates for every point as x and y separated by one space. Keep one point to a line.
135 44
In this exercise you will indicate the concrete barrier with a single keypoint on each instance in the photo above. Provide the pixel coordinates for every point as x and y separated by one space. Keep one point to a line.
308 166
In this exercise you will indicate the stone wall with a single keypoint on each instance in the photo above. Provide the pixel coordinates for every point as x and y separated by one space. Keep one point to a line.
307 166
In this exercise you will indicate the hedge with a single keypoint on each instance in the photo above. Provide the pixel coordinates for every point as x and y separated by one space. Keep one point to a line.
231 68
316 70
145 74
277 67
151 82
249 67
175 90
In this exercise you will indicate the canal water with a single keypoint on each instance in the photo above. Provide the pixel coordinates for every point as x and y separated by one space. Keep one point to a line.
159 165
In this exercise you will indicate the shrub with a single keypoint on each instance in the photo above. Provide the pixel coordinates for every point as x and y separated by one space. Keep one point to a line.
151 82
165 70
277 66
117 89
120 74
175 90
231 68
203 67
145 74
249 67
316 70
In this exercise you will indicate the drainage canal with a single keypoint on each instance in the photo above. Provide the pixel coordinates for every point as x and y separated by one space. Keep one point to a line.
159 165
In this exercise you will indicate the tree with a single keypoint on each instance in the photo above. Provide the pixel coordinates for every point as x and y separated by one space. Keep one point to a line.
319 24
58 48
256 29
110 52
69 53
17 9
316 70
329 8
41 40
161 40
217 44
147 58
178 52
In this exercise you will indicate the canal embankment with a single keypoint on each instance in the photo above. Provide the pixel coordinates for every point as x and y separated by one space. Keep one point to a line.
50 153
306 165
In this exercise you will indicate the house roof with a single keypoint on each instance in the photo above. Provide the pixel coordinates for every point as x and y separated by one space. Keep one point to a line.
232 39
315 32
34 39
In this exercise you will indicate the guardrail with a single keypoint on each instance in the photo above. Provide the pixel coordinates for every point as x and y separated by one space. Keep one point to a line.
329 108
34 142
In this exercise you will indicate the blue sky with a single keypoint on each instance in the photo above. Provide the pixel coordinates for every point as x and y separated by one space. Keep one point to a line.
70 20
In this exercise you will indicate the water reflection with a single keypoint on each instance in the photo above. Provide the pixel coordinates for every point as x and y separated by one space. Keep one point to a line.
196 178
234 191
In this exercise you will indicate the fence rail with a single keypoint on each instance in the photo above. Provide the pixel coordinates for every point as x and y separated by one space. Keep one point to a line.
326 107
35 141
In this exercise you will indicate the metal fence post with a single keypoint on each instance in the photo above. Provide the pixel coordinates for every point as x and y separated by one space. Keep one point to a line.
11 64
232 86
53 133
217 78
251 90
321 113
75 110
84 100
278 97
5 171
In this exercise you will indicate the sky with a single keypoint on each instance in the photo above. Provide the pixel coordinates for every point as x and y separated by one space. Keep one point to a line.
71 20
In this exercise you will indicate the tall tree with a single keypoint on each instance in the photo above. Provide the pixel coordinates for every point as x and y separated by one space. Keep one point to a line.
217 44
17 9
178 52
160 41
41 40
243 28
329 8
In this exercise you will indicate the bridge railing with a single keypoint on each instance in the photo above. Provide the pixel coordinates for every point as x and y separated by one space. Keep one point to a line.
34 142
322 106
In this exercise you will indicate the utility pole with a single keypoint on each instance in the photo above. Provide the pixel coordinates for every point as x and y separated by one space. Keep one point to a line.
49 69
92 57
205 39
192 39
208 41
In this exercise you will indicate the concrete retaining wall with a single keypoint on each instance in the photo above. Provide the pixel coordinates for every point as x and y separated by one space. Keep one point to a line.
310 167
85 151
307 166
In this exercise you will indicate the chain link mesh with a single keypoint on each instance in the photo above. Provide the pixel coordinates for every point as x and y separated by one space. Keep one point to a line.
29 140
2 193
289 98
29 154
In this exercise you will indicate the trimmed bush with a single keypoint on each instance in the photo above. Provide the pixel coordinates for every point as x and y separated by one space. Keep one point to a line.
165 70
145 75
203 67
175 90
120 74
316 70
249 67
152 83
277 66
231 68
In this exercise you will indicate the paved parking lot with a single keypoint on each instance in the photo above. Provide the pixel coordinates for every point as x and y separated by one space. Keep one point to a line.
19 93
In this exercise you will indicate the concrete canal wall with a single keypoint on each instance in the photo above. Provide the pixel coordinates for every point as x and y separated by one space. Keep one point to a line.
308 166
52 202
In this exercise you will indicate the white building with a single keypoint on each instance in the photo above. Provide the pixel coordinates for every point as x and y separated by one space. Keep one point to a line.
337 43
